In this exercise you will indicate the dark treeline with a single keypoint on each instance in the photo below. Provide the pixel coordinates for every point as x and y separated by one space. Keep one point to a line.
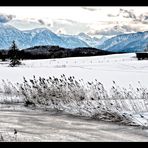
46 52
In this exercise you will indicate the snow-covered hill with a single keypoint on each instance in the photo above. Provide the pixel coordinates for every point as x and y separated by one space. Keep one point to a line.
132 42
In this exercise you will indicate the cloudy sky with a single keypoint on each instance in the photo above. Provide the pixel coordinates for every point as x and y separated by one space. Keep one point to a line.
73 20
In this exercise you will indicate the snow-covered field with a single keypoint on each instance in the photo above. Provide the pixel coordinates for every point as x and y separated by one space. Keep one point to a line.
124 69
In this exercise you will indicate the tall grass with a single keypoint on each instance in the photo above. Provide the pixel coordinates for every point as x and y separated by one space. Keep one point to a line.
81 98
9 93
89 99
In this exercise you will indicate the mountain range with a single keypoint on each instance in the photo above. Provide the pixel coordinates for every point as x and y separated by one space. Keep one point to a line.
131 42
43 36
36 37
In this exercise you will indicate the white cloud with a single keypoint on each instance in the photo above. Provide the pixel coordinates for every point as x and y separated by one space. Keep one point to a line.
24 24
74 20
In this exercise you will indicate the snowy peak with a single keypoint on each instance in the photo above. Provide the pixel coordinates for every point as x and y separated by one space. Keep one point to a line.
92 42
36 37
132 42
83 35
73 41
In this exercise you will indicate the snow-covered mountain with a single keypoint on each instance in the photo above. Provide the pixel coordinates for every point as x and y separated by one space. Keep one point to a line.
91 41
9 33
132 42
72 41
35 37
42 36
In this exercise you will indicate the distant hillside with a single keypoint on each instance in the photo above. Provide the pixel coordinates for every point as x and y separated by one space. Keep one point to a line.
60 52
46 52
